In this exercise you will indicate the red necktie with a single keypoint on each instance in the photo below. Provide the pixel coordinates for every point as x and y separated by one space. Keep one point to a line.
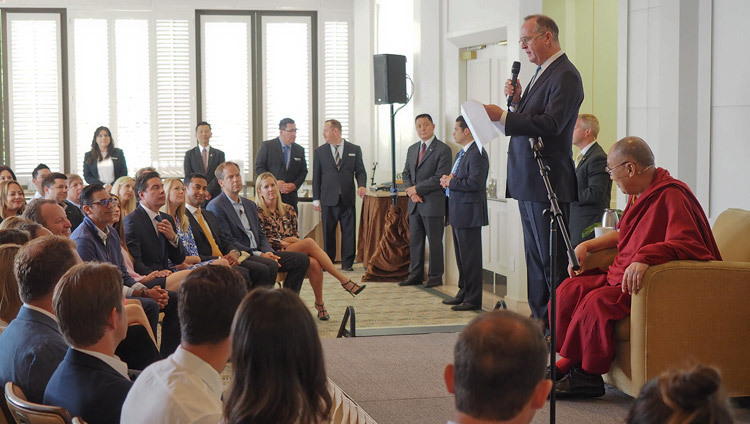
204 155
421 152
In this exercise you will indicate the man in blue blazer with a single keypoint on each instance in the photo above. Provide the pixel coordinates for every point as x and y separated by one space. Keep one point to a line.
91 382
32 345
548 109
285 159
466 188
203 159
238 218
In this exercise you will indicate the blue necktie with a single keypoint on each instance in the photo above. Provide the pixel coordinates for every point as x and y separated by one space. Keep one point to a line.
538 68
286 157
455 168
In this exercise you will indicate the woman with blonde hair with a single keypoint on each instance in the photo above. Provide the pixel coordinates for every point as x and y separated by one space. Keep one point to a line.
12 199
124 189
175 206
279 223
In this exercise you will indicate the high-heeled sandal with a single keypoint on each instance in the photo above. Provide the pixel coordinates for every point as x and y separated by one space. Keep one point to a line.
353 288
322 313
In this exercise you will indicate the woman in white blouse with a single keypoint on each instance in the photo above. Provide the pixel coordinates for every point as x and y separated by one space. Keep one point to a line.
104 163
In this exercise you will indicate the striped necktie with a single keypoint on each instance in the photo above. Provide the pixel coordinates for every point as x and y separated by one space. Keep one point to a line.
337 158
455 168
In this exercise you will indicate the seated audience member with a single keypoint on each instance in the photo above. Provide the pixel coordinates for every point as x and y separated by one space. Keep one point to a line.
142 171
210 240
12 200
32 345
175 207
37 176
279 224
663 222
91 382
291 365
683 396
238 218
104 163
20 223
187 387
14 236
96 240
55 187
72 203
10 301
498 370
123 189
6 174
49 214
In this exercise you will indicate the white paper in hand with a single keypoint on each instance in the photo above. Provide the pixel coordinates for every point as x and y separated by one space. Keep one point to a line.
479 122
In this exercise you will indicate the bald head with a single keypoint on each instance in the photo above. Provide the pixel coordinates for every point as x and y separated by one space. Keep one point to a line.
633 149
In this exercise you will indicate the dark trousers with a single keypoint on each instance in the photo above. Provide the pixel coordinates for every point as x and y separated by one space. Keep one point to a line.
290 199
170 325
137 350
331 216
432 227
537 252
467 243
263 271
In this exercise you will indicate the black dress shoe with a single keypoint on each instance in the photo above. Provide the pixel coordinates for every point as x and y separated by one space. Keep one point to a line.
347 268
452 301
558 374
466 307
433 283
409 283
579 384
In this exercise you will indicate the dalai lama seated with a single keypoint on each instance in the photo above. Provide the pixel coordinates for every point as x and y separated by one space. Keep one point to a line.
662 222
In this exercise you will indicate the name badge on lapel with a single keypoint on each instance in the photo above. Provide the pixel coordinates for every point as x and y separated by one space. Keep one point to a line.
352 154
298 159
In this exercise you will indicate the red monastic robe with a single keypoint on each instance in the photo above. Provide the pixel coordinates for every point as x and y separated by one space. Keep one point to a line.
665 223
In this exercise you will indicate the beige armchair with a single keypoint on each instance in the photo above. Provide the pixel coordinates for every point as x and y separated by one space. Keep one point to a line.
689 312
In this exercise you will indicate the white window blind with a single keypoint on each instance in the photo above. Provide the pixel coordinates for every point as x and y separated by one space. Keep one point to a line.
287 86
133 91
225 49
35 92
91 68
174 117
336 74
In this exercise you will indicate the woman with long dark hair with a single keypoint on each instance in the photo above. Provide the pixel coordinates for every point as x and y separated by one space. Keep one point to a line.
278 374
7 174
105 163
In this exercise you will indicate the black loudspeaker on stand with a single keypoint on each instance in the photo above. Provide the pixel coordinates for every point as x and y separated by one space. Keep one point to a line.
390 87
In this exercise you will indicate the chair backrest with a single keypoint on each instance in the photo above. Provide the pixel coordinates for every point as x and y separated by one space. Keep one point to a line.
25 412
732 232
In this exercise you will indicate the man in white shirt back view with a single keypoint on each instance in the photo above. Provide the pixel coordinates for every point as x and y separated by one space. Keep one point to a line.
186 387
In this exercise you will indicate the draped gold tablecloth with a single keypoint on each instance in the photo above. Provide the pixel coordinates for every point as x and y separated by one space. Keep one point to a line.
383 246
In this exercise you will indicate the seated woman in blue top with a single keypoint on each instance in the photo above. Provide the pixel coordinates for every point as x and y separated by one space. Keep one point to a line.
104 163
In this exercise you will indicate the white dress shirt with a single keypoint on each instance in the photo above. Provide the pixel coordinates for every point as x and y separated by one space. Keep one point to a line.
180 389
106 169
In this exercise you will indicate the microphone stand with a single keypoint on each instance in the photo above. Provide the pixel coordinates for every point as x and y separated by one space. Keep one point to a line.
556 221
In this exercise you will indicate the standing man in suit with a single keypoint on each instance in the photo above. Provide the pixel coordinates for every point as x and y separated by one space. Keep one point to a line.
238 219
466 189
91 382
32 345
547 109
594 184
286 160
426 161
203 159
335 166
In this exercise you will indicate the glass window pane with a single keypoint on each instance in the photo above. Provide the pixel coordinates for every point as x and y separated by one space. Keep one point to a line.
336 74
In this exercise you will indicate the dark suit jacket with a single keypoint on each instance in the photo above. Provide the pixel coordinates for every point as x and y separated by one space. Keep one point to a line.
548 110
150 252
194 164
74 214
328 181
222 208
88 388
467 204
426 176
270 158
91 171
221 237
30 350
594 192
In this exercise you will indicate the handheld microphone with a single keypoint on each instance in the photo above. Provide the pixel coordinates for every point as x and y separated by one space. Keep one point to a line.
513 77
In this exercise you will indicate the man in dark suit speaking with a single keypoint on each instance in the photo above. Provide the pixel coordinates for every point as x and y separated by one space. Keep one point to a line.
285 159
336 165
426 162
548 109
203 159
594 184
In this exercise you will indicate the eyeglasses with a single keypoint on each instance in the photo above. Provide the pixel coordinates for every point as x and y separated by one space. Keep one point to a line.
291 131
611 170
526 41
107 202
